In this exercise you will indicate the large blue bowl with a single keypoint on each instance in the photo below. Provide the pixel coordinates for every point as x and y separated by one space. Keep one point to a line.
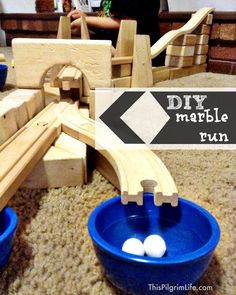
190 232
8 223
3 75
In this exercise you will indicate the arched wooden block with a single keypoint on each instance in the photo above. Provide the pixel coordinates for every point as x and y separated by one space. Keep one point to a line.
34 57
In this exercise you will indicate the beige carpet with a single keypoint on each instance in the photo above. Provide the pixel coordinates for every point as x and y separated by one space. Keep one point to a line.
53 253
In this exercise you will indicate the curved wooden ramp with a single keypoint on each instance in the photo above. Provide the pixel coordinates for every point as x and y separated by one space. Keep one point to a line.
188 28
138 171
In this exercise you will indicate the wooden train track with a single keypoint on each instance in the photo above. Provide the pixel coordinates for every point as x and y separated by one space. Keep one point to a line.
169 37
137 171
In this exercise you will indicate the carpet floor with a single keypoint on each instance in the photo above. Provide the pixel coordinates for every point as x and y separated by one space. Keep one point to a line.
53 254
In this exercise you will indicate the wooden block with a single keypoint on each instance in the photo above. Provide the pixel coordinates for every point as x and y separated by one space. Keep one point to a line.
176 73
58 168
34 100
161 74
76 147
202 30
2 57
33 58
84 29
198 69
201 49
119 71
200 59
8 125
10 183
185 40
67 73
52 94
179 61
202 39
64 28
124 82
180 50
142 63
19 107
126 36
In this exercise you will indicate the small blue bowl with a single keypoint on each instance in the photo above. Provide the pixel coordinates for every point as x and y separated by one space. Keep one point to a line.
8 224
3 75
190 232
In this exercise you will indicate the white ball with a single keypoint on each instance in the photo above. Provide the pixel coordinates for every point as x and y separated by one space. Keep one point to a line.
133 246
154 246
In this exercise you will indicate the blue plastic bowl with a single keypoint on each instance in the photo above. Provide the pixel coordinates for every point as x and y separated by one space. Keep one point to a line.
3 75
8 223
190 232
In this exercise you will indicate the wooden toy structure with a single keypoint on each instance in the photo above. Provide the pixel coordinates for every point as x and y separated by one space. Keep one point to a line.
28 128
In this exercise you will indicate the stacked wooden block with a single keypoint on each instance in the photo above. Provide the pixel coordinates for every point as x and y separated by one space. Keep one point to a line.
202 40
190 49
181 52
17 109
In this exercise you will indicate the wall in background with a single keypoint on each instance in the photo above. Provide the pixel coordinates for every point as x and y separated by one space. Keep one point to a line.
17 6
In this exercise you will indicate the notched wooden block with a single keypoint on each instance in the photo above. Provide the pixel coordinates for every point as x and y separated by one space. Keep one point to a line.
180 50
179 61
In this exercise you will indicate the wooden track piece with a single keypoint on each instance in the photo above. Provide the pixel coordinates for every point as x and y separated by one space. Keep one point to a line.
188 28
208 20
151 175
142 64
179 61
10 183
